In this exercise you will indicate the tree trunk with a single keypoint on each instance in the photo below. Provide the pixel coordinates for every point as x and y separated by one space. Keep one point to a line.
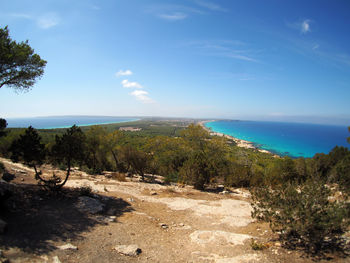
67 175
115 159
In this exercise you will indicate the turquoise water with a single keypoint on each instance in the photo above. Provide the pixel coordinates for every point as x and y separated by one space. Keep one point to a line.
64 121
286 139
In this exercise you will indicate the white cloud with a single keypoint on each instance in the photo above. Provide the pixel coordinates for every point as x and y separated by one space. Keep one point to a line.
305 26
224 48
44 21
316 46
174 16
240 57
142 96
20 15
124 73
48 20
210 5
131 85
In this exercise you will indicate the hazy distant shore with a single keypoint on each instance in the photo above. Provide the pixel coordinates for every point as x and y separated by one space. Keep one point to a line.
239 142
63 122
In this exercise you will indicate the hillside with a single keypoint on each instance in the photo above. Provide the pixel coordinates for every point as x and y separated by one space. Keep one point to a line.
168 223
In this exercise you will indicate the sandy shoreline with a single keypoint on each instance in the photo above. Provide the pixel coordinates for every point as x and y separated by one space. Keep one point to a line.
239 142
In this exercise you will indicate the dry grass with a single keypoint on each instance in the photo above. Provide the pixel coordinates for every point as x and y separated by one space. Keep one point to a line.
119 177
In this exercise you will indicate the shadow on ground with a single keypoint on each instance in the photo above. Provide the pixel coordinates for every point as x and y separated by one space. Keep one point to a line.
37 218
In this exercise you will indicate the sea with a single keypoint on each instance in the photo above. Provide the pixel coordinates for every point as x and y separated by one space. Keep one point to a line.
285 139
55 122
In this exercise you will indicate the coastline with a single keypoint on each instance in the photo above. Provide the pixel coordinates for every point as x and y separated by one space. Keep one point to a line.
239 142
64 122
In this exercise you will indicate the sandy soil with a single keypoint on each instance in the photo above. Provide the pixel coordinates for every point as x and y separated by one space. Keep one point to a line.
168 223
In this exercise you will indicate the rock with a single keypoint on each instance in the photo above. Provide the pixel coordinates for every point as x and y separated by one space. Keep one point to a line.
112 218
55 259
278 244
164 226
128 250
224 192
68 246
3 226
207 236
8 177
131 199
153 193
220 187
89 205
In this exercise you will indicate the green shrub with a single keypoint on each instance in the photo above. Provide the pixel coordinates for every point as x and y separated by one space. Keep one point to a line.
255 245
171 178
303 214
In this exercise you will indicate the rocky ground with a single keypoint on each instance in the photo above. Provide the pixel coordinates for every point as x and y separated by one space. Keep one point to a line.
132 221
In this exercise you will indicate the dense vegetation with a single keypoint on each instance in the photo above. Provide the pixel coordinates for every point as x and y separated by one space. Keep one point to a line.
188 155
303 199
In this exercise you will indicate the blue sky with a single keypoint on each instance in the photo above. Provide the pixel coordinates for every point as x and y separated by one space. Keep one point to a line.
259 60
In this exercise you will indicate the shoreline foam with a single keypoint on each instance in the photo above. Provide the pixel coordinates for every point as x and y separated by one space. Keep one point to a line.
239 142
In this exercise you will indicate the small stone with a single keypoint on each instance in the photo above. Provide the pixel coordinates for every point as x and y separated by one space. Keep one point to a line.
153 193
164 226
68 246
3 226
55 259
278 244
112 218
131 200
22 179
128 250
181 224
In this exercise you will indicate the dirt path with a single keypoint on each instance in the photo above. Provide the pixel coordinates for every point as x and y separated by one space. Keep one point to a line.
168 223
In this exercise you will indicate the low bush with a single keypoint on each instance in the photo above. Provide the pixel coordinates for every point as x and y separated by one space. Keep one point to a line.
303 214
119 177
255 245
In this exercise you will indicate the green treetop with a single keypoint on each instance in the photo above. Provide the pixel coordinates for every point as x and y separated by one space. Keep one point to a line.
19 65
